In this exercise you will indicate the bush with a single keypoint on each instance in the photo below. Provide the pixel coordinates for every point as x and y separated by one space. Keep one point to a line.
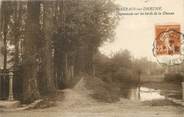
173 77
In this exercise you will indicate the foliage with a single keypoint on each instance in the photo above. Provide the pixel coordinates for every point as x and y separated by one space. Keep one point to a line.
54 41
122 67
174 77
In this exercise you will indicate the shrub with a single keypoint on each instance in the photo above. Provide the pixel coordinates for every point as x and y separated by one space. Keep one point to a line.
173 77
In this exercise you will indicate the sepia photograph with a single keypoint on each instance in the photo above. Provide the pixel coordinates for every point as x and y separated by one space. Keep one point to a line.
91 58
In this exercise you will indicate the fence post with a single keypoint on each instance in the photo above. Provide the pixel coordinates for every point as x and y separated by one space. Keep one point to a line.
10 97
182 83
0 85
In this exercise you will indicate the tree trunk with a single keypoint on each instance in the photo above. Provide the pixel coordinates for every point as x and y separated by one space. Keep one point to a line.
47 58
30 60
4 28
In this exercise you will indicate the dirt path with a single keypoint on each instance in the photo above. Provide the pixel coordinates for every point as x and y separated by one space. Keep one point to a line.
76 104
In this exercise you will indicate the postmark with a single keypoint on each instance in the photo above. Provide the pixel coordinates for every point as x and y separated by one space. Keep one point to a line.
168 44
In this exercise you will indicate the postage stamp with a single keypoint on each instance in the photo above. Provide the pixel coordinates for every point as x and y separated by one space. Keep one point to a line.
168 44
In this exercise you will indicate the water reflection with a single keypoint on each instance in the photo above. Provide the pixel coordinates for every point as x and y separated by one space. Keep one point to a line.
134 93
144 94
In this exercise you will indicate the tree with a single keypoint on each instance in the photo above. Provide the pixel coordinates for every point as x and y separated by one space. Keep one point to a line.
84 26
47 83
54 41
5 20
31 51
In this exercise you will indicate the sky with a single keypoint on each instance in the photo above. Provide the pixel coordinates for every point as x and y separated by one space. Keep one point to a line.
137 33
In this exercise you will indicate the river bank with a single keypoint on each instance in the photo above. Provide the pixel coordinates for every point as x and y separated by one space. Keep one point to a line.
76 104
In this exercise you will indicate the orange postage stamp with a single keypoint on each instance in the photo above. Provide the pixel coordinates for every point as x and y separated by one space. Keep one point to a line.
168 41
168 44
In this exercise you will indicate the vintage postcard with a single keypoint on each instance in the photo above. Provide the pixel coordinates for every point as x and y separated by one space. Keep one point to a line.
91 58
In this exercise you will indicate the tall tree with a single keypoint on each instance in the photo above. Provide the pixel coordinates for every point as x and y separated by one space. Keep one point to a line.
84 26
31 51
47 75
55 40
5 19
17 31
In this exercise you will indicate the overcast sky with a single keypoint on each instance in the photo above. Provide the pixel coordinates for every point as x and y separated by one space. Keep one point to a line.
136 33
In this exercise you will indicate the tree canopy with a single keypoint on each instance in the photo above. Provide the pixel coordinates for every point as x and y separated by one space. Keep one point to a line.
53 41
